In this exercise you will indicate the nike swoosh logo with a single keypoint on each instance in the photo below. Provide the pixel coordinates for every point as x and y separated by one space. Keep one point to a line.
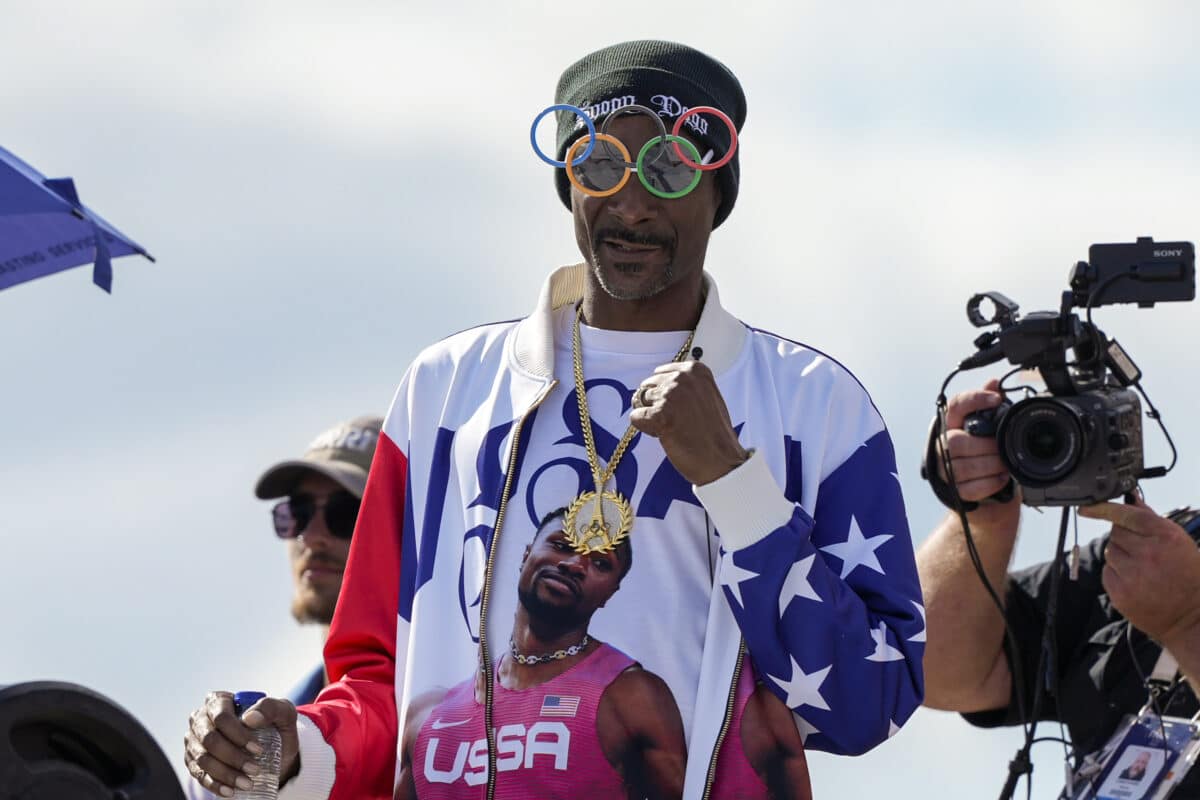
438 724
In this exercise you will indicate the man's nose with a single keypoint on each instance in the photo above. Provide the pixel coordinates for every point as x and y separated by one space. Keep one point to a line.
574 564
633 205
315 534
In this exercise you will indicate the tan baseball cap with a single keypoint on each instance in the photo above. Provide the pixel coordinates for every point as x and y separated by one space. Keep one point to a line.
343 453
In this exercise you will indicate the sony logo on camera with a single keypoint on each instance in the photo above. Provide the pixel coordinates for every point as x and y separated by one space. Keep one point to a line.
1168 253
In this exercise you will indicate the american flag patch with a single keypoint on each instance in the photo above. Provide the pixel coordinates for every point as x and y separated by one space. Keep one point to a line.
555 705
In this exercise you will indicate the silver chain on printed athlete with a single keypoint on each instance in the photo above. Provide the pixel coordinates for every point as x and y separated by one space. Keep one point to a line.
557 655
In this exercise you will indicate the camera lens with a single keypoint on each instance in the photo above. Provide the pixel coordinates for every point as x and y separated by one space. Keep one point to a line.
1041 440
1044 441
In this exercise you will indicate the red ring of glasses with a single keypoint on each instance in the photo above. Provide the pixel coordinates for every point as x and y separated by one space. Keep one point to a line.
719 114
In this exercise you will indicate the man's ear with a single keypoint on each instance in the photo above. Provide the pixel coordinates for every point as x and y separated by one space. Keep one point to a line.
525 555
616 589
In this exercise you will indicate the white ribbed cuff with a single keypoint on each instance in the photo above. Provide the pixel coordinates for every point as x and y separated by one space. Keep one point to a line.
318 763
745 504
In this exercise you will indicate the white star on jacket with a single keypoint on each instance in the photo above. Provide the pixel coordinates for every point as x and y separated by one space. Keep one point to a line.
796 584
858 550
732 576
883 650
803 689
805 727
920 635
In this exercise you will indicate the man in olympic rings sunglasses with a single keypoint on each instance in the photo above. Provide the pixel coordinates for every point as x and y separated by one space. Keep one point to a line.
751 473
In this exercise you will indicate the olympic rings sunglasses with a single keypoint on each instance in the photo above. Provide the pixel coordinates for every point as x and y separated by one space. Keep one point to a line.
668 165
293 516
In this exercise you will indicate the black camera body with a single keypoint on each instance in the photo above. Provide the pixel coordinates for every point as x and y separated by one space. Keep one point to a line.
1080 441
1068 451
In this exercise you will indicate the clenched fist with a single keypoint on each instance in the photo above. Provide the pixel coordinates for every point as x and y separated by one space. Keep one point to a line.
682 407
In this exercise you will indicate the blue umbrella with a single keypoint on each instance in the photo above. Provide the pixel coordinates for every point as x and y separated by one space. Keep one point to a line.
45 229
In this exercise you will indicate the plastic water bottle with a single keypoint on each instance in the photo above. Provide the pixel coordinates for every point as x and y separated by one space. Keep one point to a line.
266 782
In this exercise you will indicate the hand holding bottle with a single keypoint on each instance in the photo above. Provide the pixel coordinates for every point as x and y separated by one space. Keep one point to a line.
220 748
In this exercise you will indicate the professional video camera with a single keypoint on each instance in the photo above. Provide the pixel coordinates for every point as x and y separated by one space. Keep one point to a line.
1079 442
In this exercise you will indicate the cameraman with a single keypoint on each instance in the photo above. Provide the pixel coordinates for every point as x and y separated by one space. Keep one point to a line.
1137 591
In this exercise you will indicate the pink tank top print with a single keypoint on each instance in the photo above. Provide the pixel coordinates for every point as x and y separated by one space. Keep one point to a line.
546 741
736 778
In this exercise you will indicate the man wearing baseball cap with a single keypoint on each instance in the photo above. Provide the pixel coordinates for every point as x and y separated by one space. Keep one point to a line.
320 492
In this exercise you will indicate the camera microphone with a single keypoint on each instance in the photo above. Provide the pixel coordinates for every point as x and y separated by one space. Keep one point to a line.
988 355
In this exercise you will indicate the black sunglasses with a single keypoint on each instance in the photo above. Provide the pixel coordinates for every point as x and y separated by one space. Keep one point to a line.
293 516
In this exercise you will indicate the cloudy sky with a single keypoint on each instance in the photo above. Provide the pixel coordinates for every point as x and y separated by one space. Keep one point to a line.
329 188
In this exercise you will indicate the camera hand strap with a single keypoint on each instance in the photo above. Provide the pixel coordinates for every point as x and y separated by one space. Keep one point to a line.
946 494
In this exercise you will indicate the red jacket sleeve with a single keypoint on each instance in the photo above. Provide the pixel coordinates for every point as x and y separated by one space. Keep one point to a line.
356 712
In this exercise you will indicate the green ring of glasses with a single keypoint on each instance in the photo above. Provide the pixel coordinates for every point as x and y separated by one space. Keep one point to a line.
692 152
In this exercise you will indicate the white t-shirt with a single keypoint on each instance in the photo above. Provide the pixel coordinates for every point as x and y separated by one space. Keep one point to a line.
658 615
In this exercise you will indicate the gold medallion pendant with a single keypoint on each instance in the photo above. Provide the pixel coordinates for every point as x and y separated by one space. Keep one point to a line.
597 523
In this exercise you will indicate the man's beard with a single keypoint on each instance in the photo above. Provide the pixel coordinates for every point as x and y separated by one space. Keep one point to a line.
547 614
664 278
314 609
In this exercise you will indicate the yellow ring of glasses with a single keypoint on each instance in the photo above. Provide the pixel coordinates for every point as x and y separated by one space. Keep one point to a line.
600 137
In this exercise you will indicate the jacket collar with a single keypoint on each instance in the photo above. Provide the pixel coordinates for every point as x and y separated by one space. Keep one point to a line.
718 333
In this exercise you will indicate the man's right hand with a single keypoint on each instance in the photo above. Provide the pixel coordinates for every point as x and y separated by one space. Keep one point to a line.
219 748
979 472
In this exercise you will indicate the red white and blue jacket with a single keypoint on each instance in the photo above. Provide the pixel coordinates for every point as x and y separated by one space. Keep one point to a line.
816 575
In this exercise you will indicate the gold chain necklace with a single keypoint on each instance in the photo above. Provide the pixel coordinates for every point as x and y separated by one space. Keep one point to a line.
609 515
